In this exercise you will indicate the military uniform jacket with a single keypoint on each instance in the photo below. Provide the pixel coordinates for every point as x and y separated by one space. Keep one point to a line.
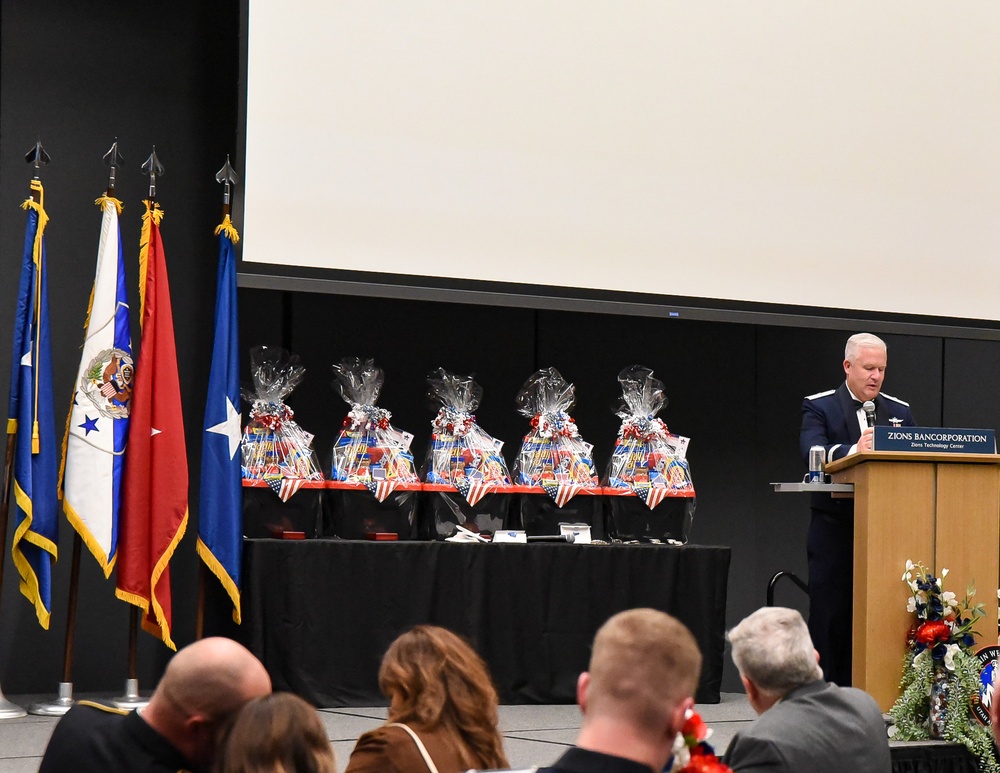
91 738
830 419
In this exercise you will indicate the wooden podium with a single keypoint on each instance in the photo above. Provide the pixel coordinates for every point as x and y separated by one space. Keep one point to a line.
942 510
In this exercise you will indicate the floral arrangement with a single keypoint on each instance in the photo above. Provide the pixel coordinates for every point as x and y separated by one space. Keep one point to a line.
940 672
692 752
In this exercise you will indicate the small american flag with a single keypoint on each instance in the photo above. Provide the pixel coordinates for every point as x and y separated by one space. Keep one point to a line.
285 487
562 492
651 495
381 488
473 491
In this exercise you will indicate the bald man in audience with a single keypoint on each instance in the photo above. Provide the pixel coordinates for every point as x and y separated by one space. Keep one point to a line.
805 724
204 684
643 672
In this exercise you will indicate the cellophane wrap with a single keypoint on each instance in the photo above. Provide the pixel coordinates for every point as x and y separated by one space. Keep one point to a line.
552 453
369 449
648 458
461 453
274 445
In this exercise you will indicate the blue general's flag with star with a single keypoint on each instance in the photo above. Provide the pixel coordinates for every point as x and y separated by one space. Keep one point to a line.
220 517
97 429
30 419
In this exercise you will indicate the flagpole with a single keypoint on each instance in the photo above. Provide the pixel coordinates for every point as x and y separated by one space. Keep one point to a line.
131 699
64 700
37 157
227 177
8 710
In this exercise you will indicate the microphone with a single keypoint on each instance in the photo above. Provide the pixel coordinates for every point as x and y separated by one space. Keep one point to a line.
869 409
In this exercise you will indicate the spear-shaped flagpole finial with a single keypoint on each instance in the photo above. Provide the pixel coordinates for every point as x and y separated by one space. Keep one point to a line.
114 160
228 177
38 158
154 169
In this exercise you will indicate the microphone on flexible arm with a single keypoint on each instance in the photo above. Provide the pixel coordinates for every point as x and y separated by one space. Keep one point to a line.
869 409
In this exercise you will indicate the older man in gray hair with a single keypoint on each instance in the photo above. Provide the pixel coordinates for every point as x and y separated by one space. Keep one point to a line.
805 724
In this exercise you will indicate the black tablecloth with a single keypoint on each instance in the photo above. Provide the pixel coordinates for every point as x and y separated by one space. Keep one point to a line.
321 613
932 757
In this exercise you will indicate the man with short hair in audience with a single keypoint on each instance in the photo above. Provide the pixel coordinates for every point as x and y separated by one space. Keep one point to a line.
204 684
644 669
805 724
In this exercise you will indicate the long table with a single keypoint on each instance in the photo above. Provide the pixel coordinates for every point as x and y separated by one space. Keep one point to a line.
320 613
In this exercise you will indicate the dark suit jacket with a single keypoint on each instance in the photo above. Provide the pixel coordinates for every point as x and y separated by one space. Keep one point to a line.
577 760
91 737
819 728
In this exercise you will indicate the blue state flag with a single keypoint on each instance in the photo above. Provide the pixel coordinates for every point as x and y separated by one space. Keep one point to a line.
30 419
220 515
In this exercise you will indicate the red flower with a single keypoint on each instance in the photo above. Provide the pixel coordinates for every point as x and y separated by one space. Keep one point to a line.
694 730
709 764
933 631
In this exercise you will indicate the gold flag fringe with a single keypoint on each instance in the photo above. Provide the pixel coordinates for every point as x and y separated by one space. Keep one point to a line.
227 227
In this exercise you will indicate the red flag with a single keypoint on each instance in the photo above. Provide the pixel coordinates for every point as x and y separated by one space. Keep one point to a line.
155 487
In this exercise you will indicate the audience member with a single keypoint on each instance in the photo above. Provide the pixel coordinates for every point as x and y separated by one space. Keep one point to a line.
278 733
442 713
204 684
804 723
644 669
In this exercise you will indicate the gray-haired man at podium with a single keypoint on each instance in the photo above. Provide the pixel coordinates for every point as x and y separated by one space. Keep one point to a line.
837 421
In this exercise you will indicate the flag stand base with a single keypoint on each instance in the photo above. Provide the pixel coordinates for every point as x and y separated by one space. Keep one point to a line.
131 699
59 706
10 710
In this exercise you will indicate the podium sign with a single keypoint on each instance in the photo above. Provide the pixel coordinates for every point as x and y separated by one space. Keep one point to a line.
935 440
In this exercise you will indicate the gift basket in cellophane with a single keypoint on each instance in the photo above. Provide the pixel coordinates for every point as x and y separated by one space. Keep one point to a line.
276 452
554 460
370 455
649 479
466 480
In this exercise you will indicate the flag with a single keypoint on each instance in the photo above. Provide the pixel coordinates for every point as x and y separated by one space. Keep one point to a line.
651 495
154 490
285 487
220 515
561 493
30 419
381 488
474 490
97 427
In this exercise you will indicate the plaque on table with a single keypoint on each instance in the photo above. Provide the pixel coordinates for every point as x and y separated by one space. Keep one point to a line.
935 440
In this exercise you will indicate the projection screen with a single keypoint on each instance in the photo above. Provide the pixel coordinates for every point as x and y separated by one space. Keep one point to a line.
813 154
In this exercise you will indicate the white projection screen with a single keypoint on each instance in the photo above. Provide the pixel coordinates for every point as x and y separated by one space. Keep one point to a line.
840 155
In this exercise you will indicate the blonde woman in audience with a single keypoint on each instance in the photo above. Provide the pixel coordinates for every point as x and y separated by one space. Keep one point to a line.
443 709
278 733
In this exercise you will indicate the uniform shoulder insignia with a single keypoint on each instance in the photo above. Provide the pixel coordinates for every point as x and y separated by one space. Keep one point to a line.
827 393
102 707
894 399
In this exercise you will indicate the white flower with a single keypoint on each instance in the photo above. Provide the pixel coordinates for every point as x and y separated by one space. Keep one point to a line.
911 604
944 573
681 754
949 656
949 599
